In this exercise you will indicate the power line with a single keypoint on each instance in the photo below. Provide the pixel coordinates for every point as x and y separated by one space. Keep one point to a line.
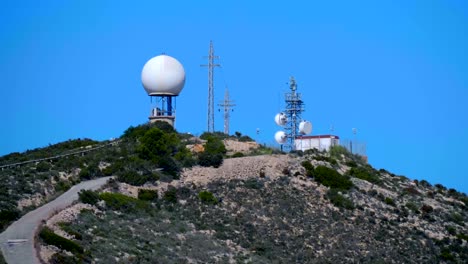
211 65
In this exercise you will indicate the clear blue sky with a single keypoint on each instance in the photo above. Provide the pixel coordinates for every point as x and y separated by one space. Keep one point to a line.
395 70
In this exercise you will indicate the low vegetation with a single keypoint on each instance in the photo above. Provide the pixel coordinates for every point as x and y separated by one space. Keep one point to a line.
50 238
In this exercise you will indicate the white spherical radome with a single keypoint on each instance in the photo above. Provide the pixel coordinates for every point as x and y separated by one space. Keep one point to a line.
305 127
163 75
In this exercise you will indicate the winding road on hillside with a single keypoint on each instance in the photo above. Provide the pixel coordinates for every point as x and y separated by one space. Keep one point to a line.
17 241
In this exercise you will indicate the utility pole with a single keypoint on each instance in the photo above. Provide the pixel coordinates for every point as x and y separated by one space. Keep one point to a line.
211 65
227 105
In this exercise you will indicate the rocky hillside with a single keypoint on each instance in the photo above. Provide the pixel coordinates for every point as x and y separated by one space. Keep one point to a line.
254 207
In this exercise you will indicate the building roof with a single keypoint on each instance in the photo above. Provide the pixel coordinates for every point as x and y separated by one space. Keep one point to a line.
317 136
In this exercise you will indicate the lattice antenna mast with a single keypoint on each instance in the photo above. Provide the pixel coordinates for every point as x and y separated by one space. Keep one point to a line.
211 65
227 105
293 111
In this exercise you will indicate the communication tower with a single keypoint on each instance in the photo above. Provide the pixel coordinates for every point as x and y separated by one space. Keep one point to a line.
291 118
163 78
227 104
211 65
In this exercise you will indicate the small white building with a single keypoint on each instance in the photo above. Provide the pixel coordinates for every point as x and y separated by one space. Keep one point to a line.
320 142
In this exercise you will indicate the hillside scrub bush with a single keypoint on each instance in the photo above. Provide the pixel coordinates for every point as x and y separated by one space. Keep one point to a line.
67 228
364 174
351 163
253 183
88 197
50 238
147 195
339 200
171 194
238 155
389 201
43 166
134 178
118 201
155 144
207 197
308 167
2 260
206 159
413 207
331 178
337 151
7 216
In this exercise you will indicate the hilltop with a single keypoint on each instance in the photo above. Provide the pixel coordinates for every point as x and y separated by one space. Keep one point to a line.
182 199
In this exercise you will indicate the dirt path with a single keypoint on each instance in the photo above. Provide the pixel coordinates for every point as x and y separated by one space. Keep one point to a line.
17 241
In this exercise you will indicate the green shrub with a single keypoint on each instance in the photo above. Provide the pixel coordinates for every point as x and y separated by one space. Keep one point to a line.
451 230
351 163
339 200
7 216
88 197
445 254
62 186
238 155
337 152
50 238
62 258
2 260
413 207
170 195
245 138
331 178
207 197
69 230
207 159
147 195
118 201
253 183
43 166
308 167
134 178
462 236
389 201
364 174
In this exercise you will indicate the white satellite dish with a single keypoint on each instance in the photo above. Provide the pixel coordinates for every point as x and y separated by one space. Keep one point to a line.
305 127
280 137
281 119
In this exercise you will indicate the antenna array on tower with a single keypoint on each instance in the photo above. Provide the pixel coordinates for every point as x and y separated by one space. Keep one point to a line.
291 118
211 65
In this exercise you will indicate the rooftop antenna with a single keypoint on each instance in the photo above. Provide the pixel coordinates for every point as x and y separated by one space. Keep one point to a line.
227 105
211 65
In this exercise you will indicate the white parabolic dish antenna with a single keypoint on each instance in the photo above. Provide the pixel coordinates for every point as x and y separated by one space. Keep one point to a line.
163 75
280 137
280 119
305 127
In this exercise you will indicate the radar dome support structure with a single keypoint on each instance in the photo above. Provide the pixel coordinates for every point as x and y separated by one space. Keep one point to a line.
163 78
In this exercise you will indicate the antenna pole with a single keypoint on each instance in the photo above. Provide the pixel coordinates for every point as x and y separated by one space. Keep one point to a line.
227 105
211 65
294 109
